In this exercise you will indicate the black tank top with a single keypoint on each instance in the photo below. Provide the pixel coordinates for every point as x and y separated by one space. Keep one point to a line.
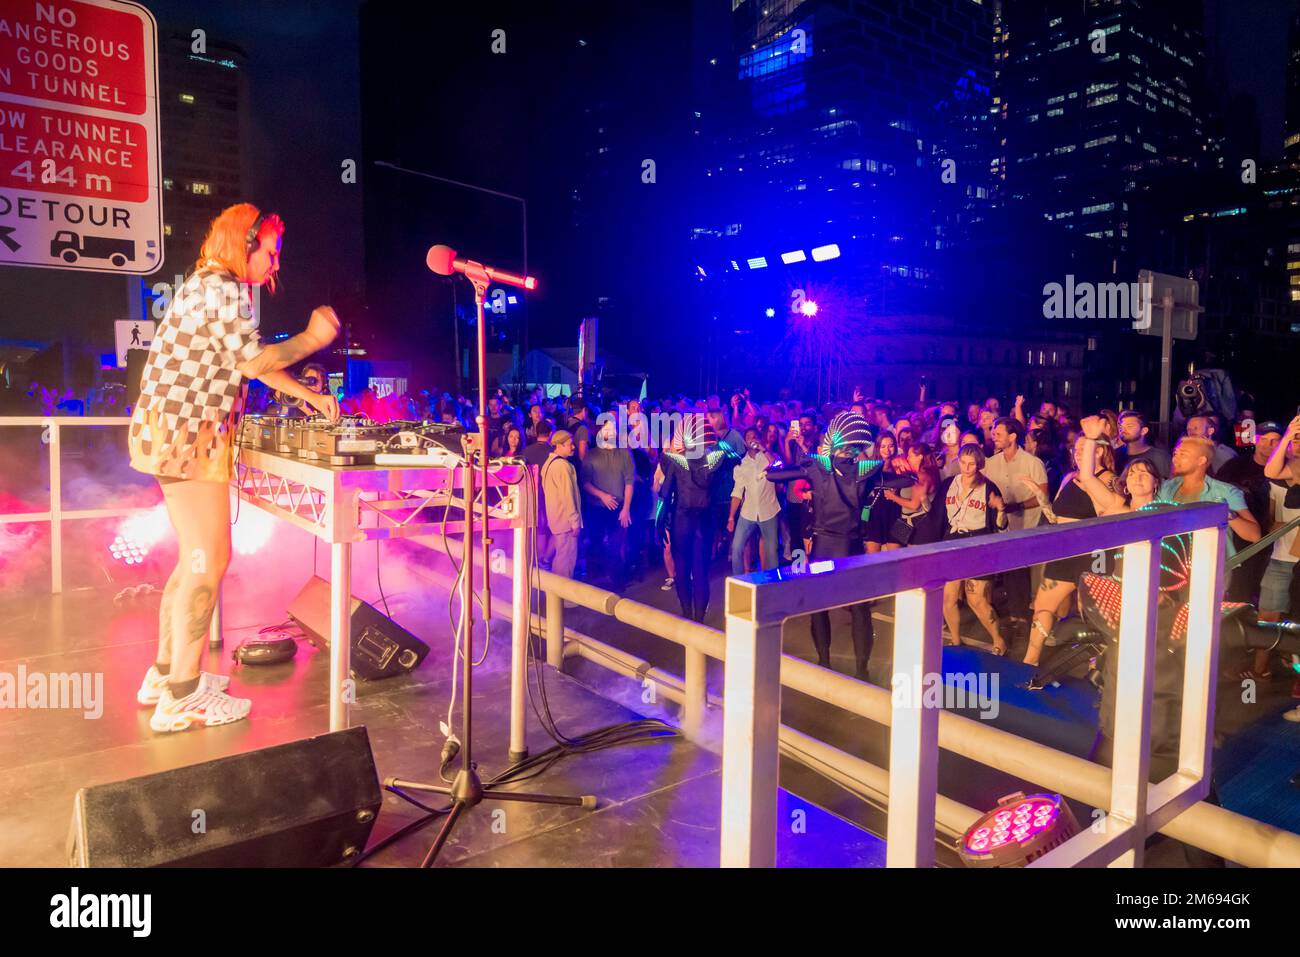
1073 502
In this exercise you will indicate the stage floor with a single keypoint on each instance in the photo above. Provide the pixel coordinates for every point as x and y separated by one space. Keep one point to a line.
659 800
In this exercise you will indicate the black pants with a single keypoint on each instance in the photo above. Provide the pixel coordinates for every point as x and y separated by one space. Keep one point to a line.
1246 576
836 546
692 542
1016 582
606 546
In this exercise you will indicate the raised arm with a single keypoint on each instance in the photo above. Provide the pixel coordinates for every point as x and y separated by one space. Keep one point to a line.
1019 410
322 328
1276 466
1102 497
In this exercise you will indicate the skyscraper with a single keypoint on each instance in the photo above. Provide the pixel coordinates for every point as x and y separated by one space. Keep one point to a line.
1103 102
850 159
863 125
1291 134
203 100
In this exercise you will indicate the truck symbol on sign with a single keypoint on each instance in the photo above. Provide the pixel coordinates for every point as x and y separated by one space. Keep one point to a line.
70 247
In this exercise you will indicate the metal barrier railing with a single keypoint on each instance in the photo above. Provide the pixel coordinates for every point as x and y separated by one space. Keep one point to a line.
56 514
756 670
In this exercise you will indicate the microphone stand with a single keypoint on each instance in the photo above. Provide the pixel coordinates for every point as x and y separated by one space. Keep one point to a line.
467 789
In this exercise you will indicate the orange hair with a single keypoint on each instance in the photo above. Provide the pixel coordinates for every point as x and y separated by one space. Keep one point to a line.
226 244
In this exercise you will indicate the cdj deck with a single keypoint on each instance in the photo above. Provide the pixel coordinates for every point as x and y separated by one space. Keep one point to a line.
353 440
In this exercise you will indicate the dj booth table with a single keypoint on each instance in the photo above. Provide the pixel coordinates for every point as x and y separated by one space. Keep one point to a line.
349 504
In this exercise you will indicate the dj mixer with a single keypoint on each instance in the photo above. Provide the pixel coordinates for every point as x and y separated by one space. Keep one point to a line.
353 440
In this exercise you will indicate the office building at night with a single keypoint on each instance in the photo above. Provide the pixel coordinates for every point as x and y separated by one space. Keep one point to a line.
203 105
1101 102
850 158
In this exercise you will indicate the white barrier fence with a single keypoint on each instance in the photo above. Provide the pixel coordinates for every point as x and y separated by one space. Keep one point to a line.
56 514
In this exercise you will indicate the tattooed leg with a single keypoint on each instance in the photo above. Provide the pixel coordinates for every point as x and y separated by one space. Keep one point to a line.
165 617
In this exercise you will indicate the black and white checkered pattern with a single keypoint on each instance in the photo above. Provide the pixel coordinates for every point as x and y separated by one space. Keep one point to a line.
191 376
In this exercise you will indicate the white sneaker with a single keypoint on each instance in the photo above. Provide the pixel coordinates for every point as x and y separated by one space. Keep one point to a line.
155 683
208 708
667 585
1292 715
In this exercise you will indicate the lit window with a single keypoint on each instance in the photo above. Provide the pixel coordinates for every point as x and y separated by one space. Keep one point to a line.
187 98
167 229
201 189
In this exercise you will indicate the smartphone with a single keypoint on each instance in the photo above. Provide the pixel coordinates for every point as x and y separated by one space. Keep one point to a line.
794 426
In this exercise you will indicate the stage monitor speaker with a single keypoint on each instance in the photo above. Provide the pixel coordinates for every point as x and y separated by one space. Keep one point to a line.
135 360
308 803
381 648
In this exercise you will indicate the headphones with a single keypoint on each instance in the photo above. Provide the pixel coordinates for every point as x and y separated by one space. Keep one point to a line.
250 240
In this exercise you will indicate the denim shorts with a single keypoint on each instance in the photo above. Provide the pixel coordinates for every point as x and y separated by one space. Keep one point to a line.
1275 586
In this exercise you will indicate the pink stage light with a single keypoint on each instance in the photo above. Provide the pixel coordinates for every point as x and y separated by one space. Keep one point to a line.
128 550
808 307
139 533
1019 830
251 531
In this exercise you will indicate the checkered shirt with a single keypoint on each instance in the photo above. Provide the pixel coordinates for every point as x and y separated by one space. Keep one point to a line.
190 377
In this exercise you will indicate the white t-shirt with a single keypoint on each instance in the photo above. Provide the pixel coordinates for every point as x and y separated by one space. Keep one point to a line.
759 501
1282 547
966 513
1007 475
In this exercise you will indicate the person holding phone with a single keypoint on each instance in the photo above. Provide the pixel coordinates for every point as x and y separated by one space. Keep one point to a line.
183 429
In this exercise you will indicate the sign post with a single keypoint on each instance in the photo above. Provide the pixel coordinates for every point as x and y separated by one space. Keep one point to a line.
1176 318
79 136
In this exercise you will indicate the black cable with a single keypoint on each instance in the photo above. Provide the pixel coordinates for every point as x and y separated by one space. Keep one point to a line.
616 735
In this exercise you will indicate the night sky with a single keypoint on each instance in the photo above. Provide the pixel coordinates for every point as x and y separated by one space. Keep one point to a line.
305 88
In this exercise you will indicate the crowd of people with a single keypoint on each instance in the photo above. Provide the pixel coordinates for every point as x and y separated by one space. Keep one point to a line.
618 508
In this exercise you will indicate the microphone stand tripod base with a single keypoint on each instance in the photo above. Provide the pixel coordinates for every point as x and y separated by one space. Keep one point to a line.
467 790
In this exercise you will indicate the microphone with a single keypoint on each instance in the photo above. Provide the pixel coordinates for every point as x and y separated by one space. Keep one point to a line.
443 261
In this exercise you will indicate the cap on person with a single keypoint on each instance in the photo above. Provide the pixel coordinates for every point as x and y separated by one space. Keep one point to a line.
1265 427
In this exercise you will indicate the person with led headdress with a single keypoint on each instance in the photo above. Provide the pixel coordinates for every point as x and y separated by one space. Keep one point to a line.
691 467
842 492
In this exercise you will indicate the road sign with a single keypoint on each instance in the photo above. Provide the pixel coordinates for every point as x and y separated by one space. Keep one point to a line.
132 334
80 168
1184 311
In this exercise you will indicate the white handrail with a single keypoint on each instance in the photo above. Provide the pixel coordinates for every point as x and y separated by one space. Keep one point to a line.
757 605
56 515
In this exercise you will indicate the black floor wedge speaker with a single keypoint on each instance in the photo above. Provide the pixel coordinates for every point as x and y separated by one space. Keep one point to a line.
308 803
381 648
